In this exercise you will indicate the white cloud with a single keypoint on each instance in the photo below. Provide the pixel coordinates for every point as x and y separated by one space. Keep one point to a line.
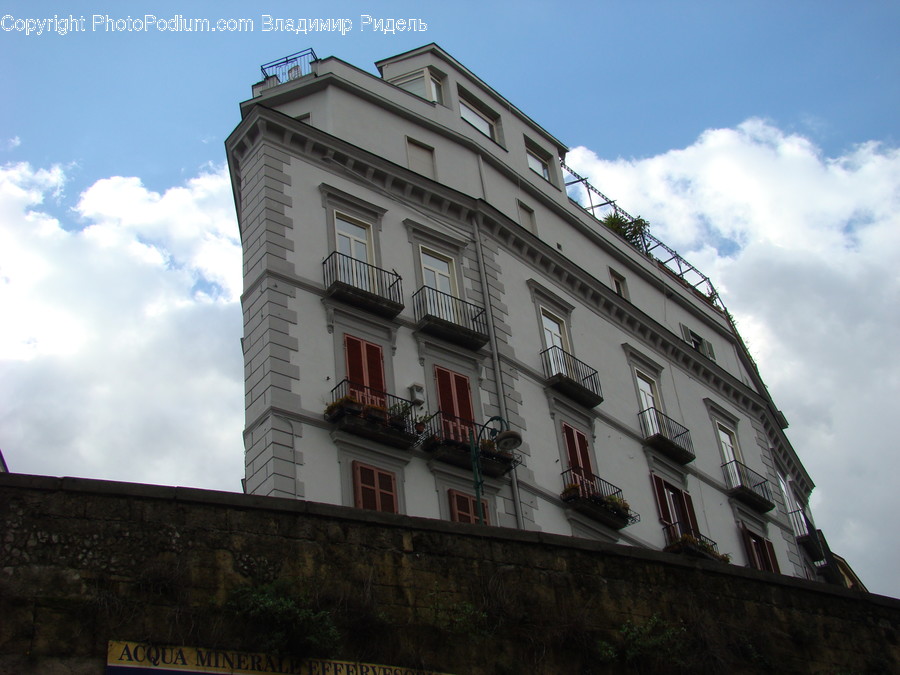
804 250
120 351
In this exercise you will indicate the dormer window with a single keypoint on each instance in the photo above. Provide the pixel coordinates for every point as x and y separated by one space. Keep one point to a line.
479 116
423 83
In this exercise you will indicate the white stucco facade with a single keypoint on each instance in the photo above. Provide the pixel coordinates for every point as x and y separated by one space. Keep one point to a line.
345 183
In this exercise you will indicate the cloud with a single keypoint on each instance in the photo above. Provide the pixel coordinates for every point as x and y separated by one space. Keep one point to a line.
120 350
13 143
804 250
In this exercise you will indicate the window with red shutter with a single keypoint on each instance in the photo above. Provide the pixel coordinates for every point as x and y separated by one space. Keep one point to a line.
365 370
463 508
374 488
676 508
455 403
577 450
760 552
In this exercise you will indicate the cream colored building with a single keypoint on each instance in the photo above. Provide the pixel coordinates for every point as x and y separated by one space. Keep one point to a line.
418 261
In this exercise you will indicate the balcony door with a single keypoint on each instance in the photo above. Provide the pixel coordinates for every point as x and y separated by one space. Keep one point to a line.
353 241
365 371
676 509
555 341
647 400
455 403
437 273
579 457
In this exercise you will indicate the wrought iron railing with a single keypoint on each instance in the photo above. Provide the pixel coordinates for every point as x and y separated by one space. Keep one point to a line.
589 486
738 475
558 362
371 402
800 523
655 423
429 301
339 267
449 427
288 68
680 533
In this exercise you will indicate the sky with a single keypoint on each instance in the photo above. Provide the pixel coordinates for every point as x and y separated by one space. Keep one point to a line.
759 139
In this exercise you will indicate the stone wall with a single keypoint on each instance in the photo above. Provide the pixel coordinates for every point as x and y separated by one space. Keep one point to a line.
84 562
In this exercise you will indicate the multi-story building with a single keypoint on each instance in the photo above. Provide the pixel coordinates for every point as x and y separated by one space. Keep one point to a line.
422 271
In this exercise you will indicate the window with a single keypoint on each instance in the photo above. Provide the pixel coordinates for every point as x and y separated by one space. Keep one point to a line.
538 165
478 117
618 284
700 344
354 244
647 400
760 552
365 370
555 340
463 508
421 158
374 488
437 273
676 510
578 453
527 218
455 404
728 443
423 84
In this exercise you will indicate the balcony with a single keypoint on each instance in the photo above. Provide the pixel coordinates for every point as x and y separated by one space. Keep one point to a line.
450 318
745 484
686 540
568 375
807 537
449 439
363 285
372 414
283 70
597 499
666 435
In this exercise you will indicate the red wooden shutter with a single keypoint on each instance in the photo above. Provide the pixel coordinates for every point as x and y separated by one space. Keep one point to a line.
773 561
455 402
374 489
577 451
463 509
353 352
752 557
659 487
365 366
689 512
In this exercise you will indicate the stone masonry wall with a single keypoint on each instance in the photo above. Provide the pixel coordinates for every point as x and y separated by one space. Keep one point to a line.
83 562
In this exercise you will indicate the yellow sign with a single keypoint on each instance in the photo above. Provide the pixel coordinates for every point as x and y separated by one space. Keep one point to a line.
136 658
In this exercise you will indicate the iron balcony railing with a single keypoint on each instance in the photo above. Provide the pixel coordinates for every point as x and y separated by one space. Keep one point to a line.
558 362
678 533
738 475
368 401
430 302
447 427
655 423
288 68
800 523
341 268
590 486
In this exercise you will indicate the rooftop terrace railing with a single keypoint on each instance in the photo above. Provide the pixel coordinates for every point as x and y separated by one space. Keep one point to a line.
288 68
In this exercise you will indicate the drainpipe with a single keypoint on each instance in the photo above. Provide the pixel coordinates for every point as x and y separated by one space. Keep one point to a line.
495 356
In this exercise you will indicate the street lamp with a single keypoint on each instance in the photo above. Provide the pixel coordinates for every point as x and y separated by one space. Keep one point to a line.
504 439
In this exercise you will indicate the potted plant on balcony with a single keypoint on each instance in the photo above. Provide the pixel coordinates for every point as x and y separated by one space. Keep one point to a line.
398 415
376 413
347 404
615 504
689 544
571 492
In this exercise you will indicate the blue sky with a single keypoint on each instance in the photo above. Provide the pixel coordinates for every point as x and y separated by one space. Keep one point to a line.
759 138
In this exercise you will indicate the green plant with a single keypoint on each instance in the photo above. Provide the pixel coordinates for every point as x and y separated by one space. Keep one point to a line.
630 230
279 620
339 403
